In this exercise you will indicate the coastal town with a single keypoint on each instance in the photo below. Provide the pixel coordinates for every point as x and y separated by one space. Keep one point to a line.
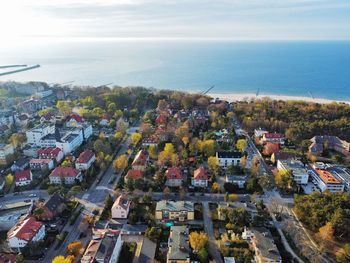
129 174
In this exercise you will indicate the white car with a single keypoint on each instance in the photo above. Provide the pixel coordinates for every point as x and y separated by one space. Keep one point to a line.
32 195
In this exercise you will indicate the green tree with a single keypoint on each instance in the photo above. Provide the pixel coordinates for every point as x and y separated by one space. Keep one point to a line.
203 254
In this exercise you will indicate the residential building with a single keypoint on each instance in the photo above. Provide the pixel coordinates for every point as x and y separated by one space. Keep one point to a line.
200 178
174 177
140 160
179 249
105 247
229 260
298 169
69 174
105 120
20 164
74 120
51 139
48 117
228 158
27 230
7 117
273 138
5 151
71 141
23 178
31 106
258 133
333 143
264 246
121 207
326 181
35 134
7 258
239 180
85 160
54 153
30 150
41 164
22 120
174 210
52 208
133 175
270 148
280 155
87 130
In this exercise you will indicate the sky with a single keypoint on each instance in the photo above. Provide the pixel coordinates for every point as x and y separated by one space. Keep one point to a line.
176 19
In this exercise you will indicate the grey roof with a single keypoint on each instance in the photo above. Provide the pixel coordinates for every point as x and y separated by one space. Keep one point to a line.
175 206
54 202
106 248
295 165
231 154
23 162
265 243
148 251
342 173
70 137
178 243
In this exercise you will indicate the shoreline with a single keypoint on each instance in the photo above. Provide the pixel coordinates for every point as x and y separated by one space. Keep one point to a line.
231 97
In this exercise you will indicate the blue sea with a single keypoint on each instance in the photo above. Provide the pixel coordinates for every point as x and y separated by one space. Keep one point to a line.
289 68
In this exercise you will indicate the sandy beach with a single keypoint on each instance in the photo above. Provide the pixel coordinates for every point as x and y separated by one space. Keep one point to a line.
249 96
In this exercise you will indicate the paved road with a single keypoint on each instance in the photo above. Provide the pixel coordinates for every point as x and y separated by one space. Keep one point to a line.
21 196
208 227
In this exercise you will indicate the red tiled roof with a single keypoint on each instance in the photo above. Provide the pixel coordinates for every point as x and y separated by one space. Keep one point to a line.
49 151
161 119
140 158
174 173
25 229
65 172
85 156
273 135
76 117
200 174
134 174
7 258
23 175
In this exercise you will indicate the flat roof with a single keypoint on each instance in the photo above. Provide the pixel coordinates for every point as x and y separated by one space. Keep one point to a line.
175 206
178 243
295 165
342 173
327 177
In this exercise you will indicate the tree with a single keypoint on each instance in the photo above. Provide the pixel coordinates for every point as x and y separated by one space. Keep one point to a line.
215 187
284 180
203 254
153 233
74 248
343 256
243 162
9 179
19 258
66 163
213 164
152 150
198 240
17 139
65 107
38 212
121 162
241 144
208 147
61 259
135 138
327 232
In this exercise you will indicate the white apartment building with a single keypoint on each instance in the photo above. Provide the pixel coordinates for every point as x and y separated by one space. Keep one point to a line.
228 158
298 169
35 134
326 181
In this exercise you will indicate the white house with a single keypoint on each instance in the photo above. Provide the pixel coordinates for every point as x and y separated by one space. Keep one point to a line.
23 178
85 160
74 120
54 153
200 178
69 174
259 132
35 134
27 230
239 180
40 164
273 137
228 158
298 169
120 208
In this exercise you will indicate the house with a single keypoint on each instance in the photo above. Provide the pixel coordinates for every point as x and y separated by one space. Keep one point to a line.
270 148
48 117
54 153
69 174
20 164
174 177
258 133
5 130
87 130
325 180
239 180
200 178
151 140
23 178
30 150
333 142
283 156
52 208
133 175
41 164
298 169
6 150
121 207
22 120
264 246
105 120
174 210
74 120
85 160
35 134
7 117
50 139
273 137
140 160
25 231
229 158
105 247
179 249
7 258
